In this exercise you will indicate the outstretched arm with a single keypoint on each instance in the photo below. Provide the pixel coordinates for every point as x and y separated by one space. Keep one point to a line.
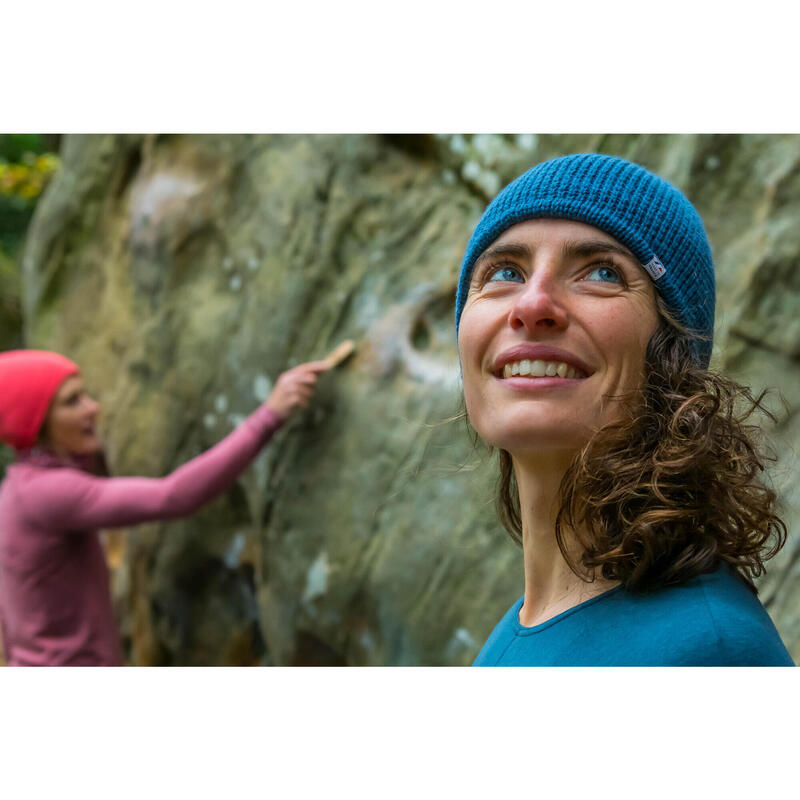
72 500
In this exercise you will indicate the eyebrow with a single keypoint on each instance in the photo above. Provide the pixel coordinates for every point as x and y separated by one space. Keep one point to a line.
585 248
570 249
517 250
72 392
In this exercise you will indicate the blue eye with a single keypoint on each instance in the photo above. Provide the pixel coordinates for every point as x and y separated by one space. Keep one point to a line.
506 273
604 275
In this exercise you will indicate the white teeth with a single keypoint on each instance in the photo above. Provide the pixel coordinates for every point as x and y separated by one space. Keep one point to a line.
540 369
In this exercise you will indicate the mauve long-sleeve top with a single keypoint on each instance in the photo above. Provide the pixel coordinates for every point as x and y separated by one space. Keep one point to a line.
55 603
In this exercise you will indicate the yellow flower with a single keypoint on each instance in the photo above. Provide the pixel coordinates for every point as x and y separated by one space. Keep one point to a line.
48 162
28 190
18 172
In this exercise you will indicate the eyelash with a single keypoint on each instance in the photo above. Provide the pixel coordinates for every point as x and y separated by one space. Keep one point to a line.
492 269
608 265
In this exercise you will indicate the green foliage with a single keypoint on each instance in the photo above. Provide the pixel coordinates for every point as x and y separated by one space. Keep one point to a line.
10 304
6 458
13 146
25 168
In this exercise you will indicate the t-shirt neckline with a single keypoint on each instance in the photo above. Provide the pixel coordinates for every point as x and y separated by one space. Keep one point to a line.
523 630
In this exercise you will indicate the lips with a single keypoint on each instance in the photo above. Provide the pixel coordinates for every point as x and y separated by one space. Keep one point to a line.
542 353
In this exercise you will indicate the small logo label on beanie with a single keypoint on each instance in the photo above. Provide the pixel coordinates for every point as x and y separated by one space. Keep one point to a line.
655 268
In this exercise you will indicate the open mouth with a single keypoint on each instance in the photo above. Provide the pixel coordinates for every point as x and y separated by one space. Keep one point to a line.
528 368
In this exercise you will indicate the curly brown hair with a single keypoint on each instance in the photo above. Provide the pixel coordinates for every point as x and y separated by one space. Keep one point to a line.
672 489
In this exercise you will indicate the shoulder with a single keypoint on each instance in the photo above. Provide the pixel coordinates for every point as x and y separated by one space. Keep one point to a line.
31 476
499 639
37 490
746 634
711 620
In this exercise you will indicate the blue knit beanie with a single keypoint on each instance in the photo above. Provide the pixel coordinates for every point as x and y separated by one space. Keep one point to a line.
652 218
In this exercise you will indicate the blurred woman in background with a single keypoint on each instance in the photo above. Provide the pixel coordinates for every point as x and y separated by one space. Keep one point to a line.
628 470
55 603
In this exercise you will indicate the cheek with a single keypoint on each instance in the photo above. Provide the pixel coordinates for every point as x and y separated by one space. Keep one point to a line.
73 426
471 350
623 338
60 424
479 323
470 359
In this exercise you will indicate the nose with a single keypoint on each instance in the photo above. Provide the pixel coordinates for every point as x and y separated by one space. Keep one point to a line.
92 406
540 305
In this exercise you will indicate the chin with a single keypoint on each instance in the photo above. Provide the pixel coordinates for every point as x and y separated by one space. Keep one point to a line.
88 448
527 444
522 434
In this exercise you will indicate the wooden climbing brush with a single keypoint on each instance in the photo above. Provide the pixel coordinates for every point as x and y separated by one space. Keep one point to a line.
340 353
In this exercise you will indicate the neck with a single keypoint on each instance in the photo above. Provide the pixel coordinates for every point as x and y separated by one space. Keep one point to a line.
66 456
551 587
53 449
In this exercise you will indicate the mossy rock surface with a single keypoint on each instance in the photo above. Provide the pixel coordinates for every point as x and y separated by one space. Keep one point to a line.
184 273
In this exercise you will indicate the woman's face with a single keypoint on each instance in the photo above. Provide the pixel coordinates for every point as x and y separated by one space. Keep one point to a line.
556 323
70 424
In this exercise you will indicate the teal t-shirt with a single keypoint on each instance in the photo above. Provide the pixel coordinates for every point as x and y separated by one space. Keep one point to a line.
713 620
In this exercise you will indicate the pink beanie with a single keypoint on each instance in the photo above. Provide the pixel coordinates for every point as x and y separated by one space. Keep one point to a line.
28 381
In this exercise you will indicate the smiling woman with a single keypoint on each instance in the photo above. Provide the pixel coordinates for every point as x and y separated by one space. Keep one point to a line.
55 605
628 472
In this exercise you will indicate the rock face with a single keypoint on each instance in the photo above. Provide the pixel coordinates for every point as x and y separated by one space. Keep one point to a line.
185 273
